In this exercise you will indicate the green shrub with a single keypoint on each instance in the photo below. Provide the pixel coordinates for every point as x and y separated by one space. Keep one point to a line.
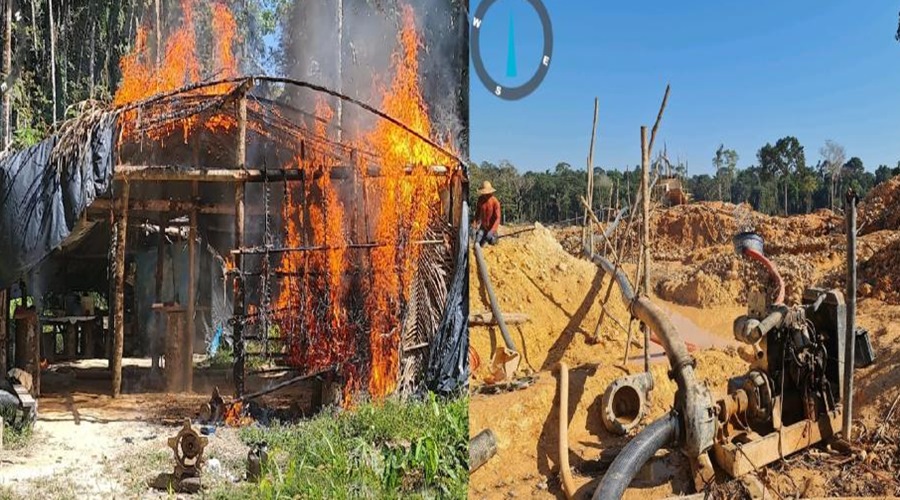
388 449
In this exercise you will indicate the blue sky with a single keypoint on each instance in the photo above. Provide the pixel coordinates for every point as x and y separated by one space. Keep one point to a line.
742 74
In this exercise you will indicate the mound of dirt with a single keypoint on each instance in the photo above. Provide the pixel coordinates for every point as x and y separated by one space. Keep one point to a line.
881 207
724 278
680 229
562 295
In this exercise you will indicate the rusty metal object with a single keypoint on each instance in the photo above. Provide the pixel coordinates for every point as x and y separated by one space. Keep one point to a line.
257 459
214 410
481 448
739 458
624 403
188 447
693 399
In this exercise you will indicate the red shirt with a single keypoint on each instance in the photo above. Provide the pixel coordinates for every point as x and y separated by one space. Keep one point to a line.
489 213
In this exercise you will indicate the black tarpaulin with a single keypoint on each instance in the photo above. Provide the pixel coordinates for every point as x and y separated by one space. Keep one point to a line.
44 192
448 363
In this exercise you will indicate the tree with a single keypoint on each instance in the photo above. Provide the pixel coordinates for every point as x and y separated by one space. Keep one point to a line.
884 173
725 163
833 155
781 161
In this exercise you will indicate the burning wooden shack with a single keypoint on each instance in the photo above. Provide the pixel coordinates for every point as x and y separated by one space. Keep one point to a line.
305 252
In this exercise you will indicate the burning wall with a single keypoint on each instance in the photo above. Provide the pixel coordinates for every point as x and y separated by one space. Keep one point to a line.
332 253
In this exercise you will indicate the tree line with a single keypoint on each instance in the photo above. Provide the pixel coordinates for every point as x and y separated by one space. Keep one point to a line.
57 53
779 182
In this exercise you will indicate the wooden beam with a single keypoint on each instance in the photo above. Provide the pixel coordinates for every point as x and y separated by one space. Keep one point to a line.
162 173
486 318
644 285
588 236
102 206
238 328
159 321
737 460
119 291
4 329
192 299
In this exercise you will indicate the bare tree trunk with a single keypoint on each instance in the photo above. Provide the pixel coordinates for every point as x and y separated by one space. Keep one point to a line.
53 59
34 30
785 196
158 37
92 61
7 70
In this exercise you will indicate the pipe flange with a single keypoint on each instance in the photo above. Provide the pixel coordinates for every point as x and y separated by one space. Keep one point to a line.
759 394
624 403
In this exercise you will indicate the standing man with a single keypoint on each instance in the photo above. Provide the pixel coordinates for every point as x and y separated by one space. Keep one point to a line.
488 211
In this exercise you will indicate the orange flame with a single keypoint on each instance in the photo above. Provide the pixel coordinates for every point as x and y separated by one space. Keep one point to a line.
179 65
326 324
407 205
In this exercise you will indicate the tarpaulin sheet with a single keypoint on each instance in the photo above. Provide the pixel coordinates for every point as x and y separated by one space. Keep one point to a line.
448 363
42 199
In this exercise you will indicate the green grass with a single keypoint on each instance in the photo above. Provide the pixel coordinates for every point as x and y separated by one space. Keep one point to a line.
389 449
14 439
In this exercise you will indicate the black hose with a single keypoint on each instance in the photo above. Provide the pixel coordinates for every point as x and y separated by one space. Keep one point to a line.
634 455
495 306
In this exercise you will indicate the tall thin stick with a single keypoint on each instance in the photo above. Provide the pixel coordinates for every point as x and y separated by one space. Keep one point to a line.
588 238
645 226
659 116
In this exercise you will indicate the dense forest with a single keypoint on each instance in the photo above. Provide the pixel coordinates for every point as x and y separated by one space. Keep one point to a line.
58 53
780 181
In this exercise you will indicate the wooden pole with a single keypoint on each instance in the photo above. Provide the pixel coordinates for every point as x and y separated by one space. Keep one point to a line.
7 69
589 240
645 229
159 336
238 328
192 298
119 292
4 329
52 58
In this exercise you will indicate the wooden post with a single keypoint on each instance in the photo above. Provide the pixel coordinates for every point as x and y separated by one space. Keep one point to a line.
119 292
192 296
158 338
7 70
4 330
71 339
238 328
645 234
589 231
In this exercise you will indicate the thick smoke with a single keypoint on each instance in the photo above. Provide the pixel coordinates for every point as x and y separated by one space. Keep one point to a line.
347 45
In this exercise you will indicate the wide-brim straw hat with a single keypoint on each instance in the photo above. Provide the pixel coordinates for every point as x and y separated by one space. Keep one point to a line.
486 188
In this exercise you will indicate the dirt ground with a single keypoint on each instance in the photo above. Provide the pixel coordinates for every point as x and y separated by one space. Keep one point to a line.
703 287
88 445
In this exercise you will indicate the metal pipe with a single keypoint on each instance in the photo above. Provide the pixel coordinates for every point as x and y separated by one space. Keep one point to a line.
481 448
634 455
692 398
565 474
495 307
773 271
850 342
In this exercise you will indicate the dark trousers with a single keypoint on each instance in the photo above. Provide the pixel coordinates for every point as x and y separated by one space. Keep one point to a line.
482 237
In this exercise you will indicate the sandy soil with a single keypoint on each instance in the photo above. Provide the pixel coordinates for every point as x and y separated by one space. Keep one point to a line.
89 445
535 275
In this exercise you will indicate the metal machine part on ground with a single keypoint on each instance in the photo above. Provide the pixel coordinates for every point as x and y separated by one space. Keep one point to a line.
791 397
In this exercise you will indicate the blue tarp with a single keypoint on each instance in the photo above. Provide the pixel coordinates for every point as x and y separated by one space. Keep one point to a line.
42 196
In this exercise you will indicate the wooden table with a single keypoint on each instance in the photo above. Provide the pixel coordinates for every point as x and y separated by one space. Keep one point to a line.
71 344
